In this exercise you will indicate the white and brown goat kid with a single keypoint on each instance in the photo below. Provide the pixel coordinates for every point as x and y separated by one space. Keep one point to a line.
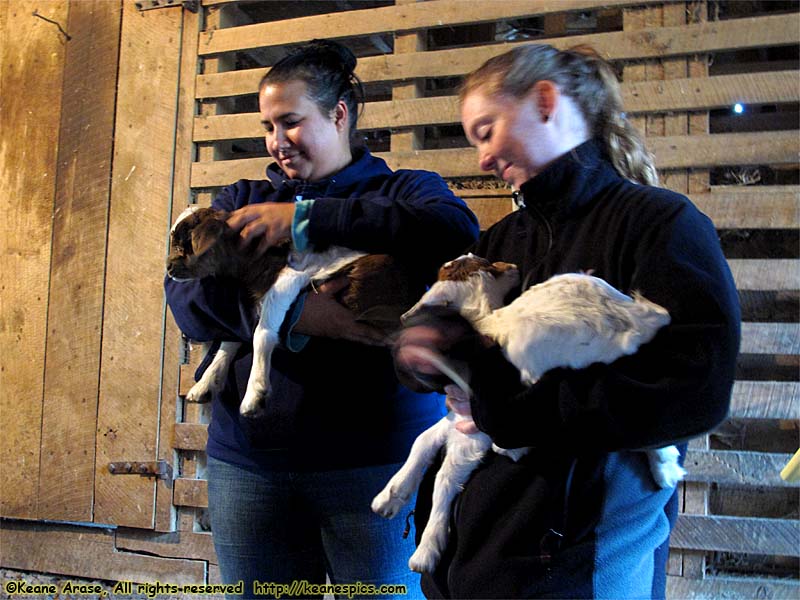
570 320
379 290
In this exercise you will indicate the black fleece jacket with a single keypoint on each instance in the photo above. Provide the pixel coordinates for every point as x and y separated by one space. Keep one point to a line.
579 215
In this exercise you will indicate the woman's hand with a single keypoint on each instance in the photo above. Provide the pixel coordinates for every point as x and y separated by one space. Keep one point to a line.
458 401
269 221
324 316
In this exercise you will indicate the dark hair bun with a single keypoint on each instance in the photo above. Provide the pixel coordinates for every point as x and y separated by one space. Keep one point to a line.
326 53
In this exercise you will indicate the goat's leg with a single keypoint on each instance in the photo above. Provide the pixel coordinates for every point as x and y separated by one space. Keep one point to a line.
274 306
405 482
214 376
464 454
664 466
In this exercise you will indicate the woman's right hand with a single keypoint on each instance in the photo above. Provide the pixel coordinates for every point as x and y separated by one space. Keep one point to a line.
324 316
270 223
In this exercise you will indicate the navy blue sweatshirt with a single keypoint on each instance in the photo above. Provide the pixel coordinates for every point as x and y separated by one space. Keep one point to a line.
583 479
334 404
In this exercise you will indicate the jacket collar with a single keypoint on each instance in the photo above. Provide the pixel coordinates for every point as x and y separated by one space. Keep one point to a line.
571 182
363 166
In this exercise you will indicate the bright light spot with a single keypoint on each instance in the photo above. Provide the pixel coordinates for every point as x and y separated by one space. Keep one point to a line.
738 108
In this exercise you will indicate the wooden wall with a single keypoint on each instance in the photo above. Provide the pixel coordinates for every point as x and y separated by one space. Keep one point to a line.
185 123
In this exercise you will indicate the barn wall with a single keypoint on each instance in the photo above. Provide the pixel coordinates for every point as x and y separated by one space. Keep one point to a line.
683 65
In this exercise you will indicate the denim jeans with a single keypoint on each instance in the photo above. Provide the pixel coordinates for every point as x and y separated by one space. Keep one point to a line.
281 527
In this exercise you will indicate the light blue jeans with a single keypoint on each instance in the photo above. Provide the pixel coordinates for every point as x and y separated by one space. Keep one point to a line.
283 527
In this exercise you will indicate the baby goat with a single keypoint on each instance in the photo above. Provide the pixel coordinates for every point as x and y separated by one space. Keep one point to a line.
570 320
379 290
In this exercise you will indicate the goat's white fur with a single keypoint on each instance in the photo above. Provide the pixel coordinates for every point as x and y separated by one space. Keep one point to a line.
571 320
301 269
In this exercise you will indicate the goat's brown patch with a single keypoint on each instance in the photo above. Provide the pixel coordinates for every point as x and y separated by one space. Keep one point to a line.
462 267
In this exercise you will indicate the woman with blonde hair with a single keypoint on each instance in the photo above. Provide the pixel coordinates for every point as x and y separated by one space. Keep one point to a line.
580 515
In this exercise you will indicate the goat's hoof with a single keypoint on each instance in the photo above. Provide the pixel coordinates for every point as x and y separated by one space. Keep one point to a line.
387 505
424 560
199 394
253 404
667 475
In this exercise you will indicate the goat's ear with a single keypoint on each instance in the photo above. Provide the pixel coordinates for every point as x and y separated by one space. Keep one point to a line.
498 268
206 234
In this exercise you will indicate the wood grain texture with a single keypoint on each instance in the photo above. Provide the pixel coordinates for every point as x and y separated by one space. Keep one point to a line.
78 263
130 380
32 54
657 42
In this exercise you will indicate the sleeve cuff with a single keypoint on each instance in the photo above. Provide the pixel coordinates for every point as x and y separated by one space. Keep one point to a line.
294 342
302 212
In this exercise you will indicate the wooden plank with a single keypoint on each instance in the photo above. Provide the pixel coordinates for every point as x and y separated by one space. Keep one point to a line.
772 274
766 400
713 588
744 535
130 379
489 210
178 544
78 263
166 515
638 97
705 37
770 338
190 436
751 207
32 53
674 152
87 552
737 468
191 492
414 139
402 17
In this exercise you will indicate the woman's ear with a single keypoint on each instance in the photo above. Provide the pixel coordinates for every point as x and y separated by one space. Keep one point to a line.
341 116
545 94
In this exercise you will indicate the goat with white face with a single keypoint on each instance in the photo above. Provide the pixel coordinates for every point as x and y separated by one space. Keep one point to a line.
570 320
379 290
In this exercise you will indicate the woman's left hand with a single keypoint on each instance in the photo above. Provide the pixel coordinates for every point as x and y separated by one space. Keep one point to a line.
459 402
270 221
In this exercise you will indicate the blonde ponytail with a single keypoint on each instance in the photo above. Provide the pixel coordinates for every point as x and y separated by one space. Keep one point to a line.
584 76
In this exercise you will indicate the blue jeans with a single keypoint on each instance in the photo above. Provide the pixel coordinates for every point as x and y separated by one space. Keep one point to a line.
281 527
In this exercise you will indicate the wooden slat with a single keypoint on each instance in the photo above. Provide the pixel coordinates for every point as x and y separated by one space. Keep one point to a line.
435 13
686 588
31 68
181 197
753 207
191 492
772 274
88 553
78 263
177 544
744 535
737 468
190 436
677 152
130 382
659 42
638 97
766 400
770 338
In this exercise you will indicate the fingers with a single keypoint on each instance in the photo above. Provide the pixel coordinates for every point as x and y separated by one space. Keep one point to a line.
467 427
269 222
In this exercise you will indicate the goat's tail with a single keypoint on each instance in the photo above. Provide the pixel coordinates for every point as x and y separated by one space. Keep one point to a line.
649 317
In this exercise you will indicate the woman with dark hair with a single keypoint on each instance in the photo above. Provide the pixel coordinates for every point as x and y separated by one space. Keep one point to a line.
290 492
